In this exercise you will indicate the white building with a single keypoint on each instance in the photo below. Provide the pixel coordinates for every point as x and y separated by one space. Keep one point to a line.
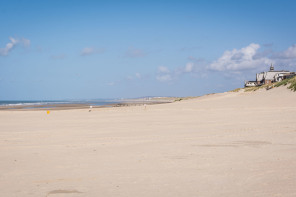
251 83
269 77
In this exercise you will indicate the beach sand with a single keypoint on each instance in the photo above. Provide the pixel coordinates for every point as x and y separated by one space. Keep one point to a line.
229 144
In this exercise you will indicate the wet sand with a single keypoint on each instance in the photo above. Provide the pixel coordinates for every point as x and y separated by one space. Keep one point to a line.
71 106
230 144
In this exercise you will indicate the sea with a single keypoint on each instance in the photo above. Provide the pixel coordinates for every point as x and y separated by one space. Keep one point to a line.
36 103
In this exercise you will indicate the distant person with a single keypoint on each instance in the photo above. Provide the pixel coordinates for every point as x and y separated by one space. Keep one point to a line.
90 108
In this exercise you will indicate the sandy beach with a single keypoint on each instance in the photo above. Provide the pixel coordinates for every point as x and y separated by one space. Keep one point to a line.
228 145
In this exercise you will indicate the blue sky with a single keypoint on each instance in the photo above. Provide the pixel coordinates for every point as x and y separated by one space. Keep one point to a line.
123 49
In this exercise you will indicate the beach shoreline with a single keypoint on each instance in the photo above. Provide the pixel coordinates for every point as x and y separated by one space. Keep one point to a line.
86 105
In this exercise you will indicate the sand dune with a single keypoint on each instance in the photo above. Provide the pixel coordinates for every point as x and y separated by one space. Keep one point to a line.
230 144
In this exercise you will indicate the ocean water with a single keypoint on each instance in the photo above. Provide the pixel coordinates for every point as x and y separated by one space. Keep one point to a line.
36 103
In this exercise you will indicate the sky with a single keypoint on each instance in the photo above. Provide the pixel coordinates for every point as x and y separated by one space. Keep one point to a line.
60 49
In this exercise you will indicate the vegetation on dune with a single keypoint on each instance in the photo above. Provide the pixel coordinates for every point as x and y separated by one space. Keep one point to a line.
291 82
185 98
236 90
250 89
293 85
281 83
179 99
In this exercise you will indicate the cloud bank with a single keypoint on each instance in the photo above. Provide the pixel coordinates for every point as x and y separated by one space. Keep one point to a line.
251 58
239 59
290 53
235 62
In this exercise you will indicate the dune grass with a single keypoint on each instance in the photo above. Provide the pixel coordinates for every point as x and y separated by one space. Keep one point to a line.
291 82
250 89
235 90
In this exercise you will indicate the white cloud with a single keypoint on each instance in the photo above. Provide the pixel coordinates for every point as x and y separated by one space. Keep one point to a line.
87 51
236 63
195 69
189 67
241 59
164 74
12 44
290 53
251 58
241 64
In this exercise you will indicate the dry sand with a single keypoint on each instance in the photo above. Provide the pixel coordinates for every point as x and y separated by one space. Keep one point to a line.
229 145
